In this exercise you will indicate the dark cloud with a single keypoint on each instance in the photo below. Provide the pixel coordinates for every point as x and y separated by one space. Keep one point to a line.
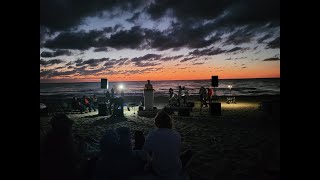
170 58
92 62
140 71
240 36
257 52
75 40
101 49
243 67
238 12
228 58
70 63
187 59
50 62
85 71
198 63
263 38
237 49
60 15
123 61
272 59
55 73
141 61
60 52
110 63
244 57
274 44
132 38
70 67
207 52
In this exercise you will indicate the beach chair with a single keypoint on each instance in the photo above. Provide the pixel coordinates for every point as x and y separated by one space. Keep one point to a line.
231 100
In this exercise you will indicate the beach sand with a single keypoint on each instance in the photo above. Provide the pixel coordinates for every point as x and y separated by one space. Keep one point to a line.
242 143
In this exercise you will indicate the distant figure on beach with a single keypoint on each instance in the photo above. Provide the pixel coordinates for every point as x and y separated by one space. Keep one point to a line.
179 95
148 85
164 146
107 95
210 94
112 92
59 156
184 94
122 93
170 95
203 96
95 100
76 105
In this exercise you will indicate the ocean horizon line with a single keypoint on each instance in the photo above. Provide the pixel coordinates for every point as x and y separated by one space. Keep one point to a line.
159 80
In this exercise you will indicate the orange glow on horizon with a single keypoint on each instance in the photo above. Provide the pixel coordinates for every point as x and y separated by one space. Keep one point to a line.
170 74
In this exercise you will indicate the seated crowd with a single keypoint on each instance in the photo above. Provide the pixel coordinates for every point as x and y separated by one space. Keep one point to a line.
85 104
158 156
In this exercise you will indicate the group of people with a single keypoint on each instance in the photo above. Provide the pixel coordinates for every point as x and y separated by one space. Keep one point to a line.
175 99
206 95
157 155
85 104
112 94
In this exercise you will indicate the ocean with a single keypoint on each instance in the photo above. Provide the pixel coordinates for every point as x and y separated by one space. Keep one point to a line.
240 87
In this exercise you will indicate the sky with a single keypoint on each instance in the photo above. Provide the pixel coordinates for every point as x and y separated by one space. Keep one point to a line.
136 40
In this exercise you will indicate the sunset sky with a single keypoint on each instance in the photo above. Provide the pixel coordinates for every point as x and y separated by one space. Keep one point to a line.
130 40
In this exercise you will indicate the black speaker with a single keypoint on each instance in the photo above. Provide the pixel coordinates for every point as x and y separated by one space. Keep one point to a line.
215 109
104 83
214 81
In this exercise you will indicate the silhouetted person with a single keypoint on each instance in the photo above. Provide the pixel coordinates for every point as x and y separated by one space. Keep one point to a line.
203 96
179 95
210 94
107 95
59 156
170 95
112 92
139 140
148 85
77 105
184 94
118 160
95 101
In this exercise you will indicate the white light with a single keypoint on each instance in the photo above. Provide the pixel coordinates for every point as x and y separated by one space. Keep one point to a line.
121 86
229 86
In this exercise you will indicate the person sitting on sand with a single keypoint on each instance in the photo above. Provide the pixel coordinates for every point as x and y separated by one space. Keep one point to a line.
118 160
148 85
87 103
77 105
59 156
164 146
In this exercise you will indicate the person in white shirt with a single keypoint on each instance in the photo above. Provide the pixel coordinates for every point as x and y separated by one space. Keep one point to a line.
164 146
